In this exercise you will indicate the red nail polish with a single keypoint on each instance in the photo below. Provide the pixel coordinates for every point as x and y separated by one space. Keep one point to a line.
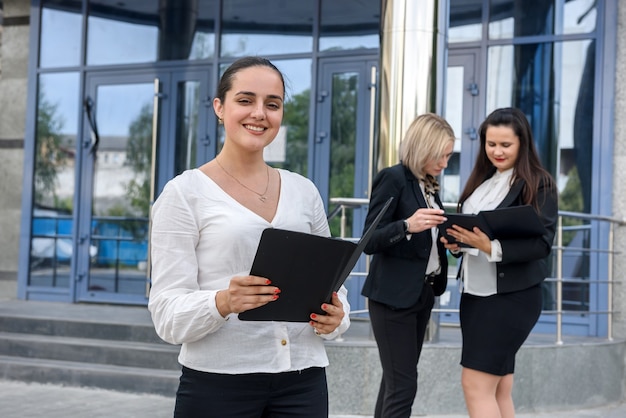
268 281
275 297
277 290
313 316
324 306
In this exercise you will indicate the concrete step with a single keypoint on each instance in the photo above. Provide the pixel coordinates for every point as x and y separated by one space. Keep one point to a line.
101 346
81 345
83 374
90 350
98 328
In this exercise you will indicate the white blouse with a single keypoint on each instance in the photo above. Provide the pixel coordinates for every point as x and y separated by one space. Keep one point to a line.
200 238
479 269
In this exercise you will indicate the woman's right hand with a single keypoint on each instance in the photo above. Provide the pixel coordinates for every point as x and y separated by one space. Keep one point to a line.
425 218
245 293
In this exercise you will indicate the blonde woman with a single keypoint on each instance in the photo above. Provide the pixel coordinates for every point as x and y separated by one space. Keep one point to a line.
409 265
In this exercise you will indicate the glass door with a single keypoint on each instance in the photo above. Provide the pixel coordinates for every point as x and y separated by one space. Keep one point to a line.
461 111
344 137
344 143
142 130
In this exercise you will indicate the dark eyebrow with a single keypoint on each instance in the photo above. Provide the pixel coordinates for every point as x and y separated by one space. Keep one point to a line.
249 93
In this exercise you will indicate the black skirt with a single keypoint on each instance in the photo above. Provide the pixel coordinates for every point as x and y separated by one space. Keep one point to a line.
495 327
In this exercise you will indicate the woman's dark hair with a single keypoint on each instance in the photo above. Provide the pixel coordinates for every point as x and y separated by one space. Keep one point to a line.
527 166
226 81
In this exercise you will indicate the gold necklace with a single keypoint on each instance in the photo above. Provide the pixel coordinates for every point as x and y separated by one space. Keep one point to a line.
262 196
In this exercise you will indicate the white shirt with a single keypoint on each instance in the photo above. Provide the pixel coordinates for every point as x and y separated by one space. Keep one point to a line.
479 269
200 238
433 265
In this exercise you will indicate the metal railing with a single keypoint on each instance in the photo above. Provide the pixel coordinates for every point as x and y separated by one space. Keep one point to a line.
559 251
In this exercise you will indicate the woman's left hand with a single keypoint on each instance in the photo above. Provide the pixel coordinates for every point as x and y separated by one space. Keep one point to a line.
325 324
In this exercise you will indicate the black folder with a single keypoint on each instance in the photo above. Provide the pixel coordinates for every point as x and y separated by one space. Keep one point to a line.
501 223
307 268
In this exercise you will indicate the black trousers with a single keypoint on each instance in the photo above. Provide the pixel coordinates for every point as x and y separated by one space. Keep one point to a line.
399 334
257 395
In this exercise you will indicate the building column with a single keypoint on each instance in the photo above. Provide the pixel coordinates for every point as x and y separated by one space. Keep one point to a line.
412 68
14 35
619 161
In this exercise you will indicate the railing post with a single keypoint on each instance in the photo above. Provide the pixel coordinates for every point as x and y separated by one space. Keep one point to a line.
559 282
609 317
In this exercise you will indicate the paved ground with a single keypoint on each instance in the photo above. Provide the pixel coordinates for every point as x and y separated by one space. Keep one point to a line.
29 400
32 400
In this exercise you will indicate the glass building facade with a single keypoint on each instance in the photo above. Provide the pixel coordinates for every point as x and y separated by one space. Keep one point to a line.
120 102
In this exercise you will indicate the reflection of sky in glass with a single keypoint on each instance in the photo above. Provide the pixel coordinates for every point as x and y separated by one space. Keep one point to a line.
118 106
575 10
61 90
454 102
60 38
328 43
573 56
114 42
297 74
238 45
466 33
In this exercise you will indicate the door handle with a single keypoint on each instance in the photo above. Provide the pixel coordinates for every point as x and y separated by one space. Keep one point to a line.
94 137
372 127
155 135
471 133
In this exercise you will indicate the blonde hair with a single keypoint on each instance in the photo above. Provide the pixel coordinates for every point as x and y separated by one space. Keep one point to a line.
425 140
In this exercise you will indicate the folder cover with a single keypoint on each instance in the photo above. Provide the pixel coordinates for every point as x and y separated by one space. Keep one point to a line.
307 268
501 223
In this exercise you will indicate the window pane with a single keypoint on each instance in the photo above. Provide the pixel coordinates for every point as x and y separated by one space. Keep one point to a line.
509 18
121 188
252 27
55 144
522 76
349 24
465 20
454 115
553 85
61 24
113 40
135 32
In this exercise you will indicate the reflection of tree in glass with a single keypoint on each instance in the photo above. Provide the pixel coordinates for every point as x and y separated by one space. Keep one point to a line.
296 119
51 156
343 142
138 158
571 200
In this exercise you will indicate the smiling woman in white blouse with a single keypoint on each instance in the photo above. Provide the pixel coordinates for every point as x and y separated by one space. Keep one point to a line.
501 279
206 227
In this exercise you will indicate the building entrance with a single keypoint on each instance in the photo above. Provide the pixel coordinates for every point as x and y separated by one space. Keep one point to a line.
139 129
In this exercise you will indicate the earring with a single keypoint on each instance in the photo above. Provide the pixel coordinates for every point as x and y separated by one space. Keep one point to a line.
220 121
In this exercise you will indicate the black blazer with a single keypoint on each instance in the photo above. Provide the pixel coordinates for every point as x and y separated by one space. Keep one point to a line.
398 267
525 260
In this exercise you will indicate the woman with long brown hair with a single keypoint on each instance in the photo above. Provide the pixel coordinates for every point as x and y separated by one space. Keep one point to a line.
501 279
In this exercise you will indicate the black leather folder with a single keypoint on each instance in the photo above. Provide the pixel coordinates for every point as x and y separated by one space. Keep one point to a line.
307 268
501 223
